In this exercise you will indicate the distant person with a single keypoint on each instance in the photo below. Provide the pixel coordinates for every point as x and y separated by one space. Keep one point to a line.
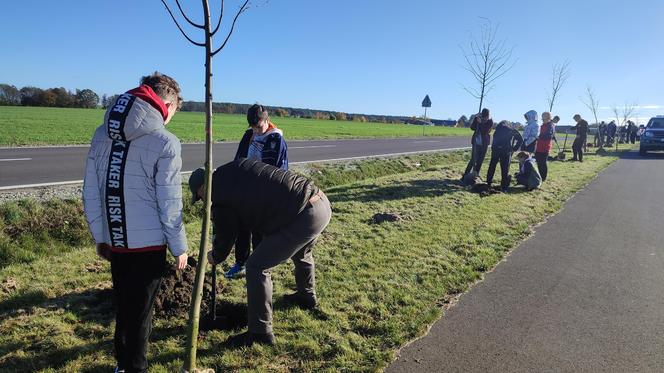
581 128
288 210
530 132
528 175
600 135
132 196
633 132
506 140
611 130
265 142
623 134
543 147
481 127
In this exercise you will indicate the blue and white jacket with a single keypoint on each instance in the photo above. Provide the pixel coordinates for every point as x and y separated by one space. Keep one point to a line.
531 131
269 147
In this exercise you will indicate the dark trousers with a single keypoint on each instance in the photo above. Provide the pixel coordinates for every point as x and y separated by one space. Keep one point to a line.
504 159
244 240
542 166
296 242
632 137
476 158
577 148
522 179
136 279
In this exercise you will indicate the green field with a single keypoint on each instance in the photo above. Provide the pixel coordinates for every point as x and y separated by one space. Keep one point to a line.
380 285
58 126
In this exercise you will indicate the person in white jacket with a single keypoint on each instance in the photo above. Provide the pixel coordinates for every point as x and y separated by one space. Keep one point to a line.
132 195
530 132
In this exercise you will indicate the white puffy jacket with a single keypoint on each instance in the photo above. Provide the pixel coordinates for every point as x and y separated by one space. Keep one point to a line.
133 188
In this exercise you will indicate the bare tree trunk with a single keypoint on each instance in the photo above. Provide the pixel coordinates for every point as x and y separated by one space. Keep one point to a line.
197 294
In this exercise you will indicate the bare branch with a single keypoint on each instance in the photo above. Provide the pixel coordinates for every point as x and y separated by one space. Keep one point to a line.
187 18
591 102
487 59
221 15
560 74
180 28
629 110
230 32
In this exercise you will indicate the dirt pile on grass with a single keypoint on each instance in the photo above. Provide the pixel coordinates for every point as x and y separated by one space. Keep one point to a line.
174 295
383 217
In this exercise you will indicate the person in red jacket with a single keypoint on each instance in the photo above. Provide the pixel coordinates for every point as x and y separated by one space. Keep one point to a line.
543 147
481 126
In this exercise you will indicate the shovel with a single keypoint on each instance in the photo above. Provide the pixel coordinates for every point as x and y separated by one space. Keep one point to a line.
561 154
212 320
213 306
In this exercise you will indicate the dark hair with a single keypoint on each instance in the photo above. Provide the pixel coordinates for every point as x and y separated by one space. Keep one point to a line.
255 114
523 154
164 86
485 113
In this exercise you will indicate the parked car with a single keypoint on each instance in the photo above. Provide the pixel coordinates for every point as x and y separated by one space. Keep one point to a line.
653 135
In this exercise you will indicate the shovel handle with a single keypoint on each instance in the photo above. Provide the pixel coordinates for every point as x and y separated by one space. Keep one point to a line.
213 306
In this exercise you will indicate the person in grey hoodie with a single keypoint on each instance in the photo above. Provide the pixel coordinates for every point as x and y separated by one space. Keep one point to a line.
530 132
132 196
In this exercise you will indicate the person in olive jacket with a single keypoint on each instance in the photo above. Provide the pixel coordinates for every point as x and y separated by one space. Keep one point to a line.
506 140
287 209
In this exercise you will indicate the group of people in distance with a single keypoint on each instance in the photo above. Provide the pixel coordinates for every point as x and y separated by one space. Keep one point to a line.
608 134
132 196
533 148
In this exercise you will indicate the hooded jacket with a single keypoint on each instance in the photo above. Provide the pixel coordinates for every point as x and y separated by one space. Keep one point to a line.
269 147
132 192
531 131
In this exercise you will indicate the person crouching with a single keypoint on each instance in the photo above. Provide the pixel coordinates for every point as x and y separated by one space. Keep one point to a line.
528 175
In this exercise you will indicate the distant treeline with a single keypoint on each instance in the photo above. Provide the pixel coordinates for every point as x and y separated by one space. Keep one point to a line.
278 111
51 97
87 98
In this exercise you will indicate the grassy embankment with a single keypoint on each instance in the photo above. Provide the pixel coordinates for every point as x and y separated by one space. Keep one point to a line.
380 285
56 126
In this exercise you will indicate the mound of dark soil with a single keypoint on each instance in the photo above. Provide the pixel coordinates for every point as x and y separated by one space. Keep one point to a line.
382 217
174 297
174 294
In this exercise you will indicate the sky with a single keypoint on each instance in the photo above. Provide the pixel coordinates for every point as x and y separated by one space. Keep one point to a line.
355 56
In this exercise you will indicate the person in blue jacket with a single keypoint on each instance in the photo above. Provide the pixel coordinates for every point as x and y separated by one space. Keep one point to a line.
263 141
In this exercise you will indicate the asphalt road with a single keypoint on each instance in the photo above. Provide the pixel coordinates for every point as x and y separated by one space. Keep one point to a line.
584 294
31 166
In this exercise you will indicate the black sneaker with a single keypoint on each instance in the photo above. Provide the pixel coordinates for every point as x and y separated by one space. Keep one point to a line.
260 338
247 339
306 303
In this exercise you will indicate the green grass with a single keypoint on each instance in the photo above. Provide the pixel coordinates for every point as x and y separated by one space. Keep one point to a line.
380 286
57 126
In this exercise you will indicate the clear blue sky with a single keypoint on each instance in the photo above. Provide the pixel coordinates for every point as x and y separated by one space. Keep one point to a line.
378 57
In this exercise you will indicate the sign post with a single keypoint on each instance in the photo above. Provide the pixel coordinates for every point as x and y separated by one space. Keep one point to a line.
426 103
